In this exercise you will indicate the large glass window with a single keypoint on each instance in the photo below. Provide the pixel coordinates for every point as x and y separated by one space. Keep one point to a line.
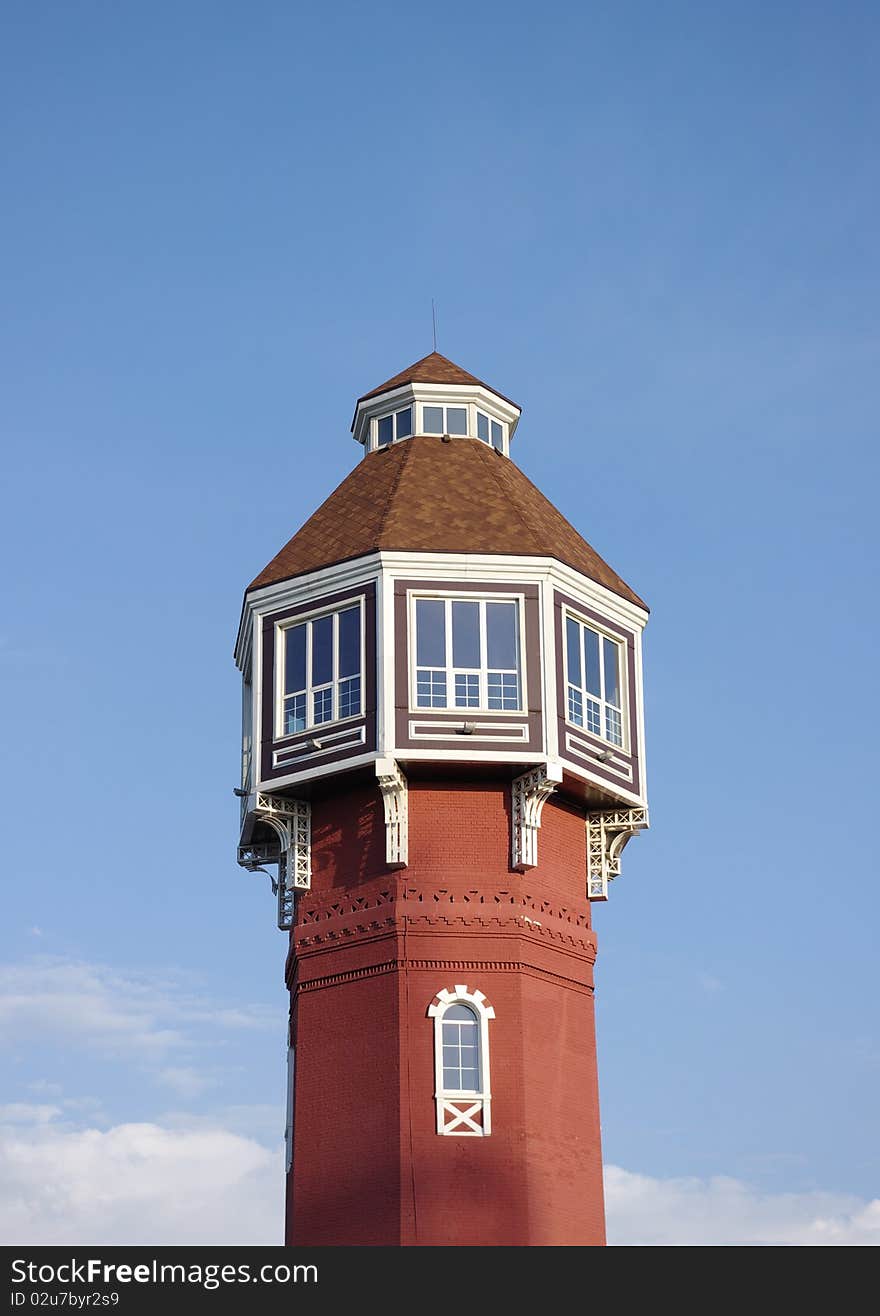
444 420
467 654
593 673
321 670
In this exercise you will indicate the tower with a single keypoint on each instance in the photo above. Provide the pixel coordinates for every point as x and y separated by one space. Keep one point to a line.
443 754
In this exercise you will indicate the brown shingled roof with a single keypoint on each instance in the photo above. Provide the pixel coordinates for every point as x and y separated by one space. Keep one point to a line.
432 369
425 495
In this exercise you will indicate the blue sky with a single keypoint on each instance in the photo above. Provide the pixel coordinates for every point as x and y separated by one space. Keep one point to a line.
655 227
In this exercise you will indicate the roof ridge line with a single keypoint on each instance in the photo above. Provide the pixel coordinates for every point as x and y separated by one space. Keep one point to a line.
404 461
496 474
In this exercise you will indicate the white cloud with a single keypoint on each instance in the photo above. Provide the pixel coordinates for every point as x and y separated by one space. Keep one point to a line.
152 1016
28 1112
642 1211
138 1184
183 1080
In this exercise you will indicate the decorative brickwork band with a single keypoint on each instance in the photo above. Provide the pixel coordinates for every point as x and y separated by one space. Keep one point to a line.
607 833
392 784
291 820
529 794
461 1062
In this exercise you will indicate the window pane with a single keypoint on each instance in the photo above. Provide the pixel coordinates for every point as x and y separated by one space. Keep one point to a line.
573 650
295 659
465 634
349 642
294 714
612 679
350 696
433 420
322 706
482 427
462 1012
501 635
430 689
322 650
430 633
467 690
469 1081
456 420
591 651
404 423
386 430
497 436
503 689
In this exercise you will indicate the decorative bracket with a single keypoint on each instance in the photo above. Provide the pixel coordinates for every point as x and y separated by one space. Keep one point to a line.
392 784
607 833
529 795
291 820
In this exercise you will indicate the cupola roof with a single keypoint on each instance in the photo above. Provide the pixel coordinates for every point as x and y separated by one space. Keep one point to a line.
431 496
432 369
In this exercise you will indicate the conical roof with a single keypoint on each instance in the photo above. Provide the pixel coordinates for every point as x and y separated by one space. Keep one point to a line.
429 496
432 369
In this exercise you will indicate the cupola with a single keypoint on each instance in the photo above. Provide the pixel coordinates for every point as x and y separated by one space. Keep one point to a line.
434 396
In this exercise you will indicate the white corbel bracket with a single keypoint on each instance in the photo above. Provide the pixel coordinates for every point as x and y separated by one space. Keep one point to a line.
607 833
392 784
529 793
291 820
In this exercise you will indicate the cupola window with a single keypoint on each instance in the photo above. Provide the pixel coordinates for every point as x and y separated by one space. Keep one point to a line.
321 671
490 431
396 426
467 654
593 668
444 420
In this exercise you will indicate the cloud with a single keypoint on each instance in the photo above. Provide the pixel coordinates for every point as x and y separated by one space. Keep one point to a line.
151 1016
642 1211
183 1080
151 1185
138 1184
28 1112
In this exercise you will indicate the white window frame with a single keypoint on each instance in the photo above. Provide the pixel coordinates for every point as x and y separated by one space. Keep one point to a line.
493 420
393 415
585 694
444 407
462 1114
289 624
449 670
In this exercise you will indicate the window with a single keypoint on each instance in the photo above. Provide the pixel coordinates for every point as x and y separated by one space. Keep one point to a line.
321 670
444 420
461 1061
467 654
396 426
593 681
490 431
461 1049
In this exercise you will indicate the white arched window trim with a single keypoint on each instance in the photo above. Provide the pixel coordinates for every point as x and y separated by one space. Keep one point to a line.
467 1115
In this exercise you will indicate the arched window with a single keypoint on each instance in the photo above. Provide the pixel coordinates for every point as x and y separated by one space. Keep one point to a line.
461 1062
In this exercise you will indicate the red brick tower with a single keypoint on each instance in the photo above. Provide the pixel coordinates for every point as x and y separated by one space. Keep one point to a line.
443 754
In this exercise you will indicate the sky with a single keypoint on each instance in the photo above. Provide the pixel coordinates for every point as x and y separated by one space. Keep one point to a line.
656 228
